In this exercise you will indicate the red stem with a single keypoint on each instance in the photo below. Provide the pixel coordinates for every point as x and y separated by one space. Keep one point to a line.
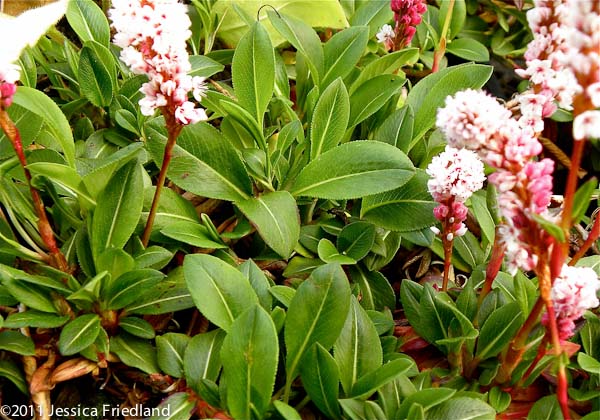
57 259
173 128
493 267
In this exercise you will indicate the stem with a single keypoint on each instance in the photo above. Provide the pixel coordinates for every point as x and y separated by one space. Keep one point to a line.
540 354
173 128
441 49
447 260
57 259
571 187
517 346
493 267
592 237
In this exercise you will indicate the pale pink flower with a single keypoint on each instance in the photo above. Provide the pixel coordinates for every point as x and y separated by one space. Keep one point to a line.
456 174
593 92
573 293
470 118
152 35
587 125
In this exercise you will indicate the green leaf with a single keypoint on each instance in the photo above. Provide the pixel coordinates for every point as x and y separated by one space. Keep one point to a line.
372 381
275 216
483 215
582 199
259 283
469 49
457 19
178 406
253 71
154 256
369 97
356 240
303 38
403 209
387 64
463 408
588 363
342 52
202 358
397 129
137 326
30 295
314 13
430 93
329 253
118 210
29 125
376 291
498 329
330 119
15 342
203 66
170 295
354 170
357 350
321 380
498 399
58 125
135 352
170 348
316 314
286 411
88 21
34 319
219 291
10 371
426 398
97 73
250 354
79 334
374 13
204 162
128 287
192 234
354 409
283 294
65 177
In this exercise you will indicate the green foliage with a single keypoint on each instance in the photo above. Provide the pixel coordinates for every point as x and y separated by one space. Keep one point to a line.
289 225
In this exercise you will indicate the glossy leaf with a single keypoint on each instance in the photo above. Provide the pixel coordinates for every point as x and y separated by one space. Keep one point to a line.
15 342
250 353
253 71
178 406
276 218
403 209
137 326
376 291
204 162
192 234
118 210
202 358
357 350
321 380
170 348
303 38
387 64
97 73
34 319
135 352
369 97
342 52
330 119
354 170
88 21
498 329
372 381
58 125
462 408
128 287
469 49
220 291
316 314
356 240
79 334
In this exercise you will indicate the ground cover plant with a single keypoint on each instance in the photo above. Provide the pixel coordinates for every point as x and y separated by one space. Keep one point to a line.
340 209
